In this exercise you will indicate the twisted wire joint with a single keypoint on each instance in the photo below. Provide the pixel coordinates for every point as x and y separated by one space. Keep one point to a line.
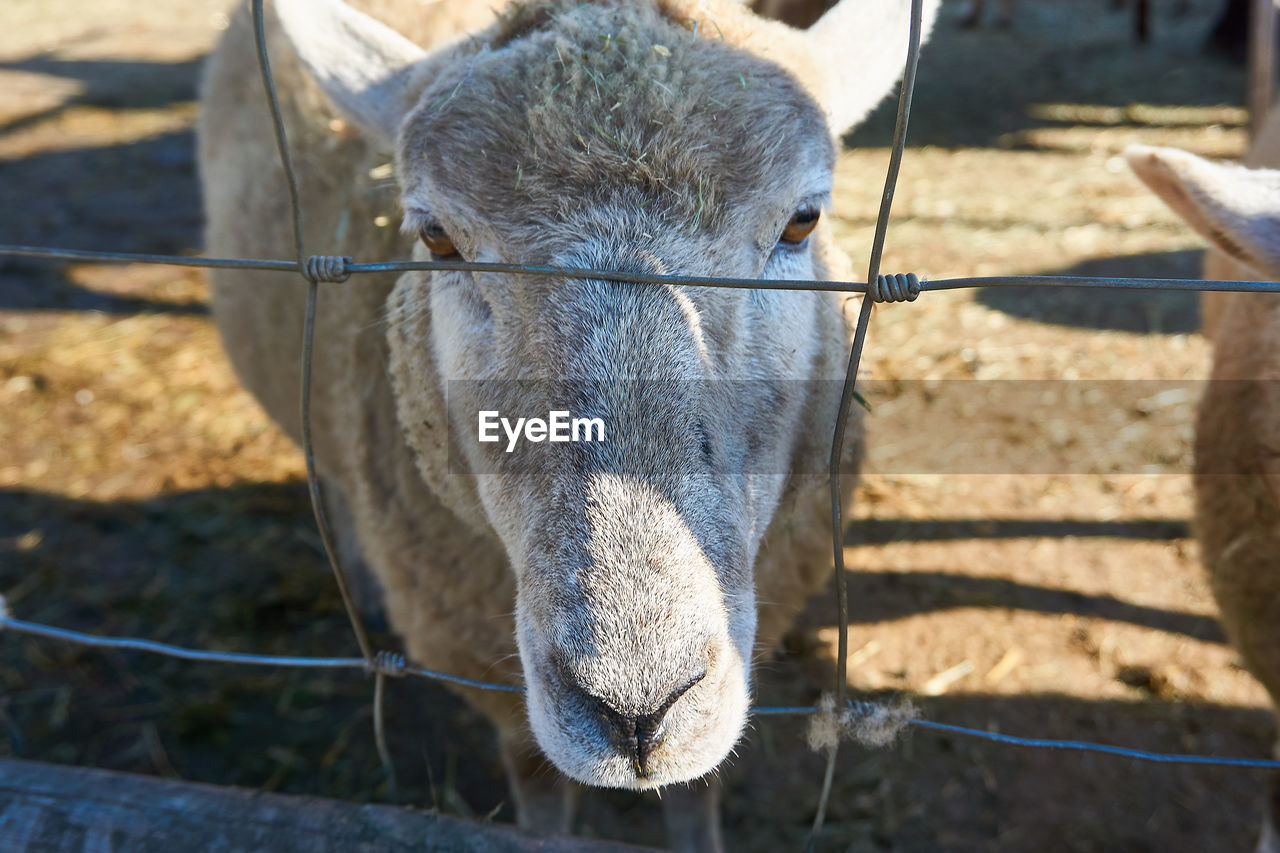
387 663
895 288
328 268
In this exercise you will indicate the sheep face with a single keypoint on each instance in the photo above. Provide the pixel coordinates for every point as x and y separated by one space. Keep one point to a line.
644 138
635 608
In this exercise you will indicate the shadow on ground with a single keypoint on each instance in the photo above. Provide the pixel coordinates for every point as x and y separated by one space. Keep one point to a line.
885 596
1058 54
44 286
138 196
109 84
1144 311
881 531
239 568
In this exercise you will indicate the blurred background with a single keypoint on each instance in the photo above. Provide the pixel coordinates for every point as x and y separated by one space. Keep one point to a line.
143 493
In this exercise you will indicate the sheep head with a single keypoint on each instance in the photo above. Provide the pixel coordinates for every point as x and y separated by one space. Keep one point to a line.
679 137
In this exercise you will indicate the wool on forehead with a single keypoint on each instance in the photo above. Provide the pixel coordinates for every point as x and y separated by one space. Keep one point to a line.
568 104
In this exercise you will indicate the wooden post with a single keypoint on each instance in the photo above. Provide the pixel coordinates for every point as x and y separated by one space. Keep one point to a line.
47 807
1262 42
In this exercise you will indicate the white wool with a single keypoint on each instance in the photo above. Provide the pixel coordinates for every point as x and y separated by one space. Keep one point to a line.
872 724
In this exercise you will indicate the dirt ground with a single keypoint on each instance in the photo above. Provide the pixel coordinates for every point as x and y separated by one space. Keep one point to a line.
143 493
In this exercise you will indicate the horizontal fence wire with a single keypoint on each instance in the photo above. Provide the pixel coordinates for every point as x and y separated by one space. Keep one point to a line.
386 664
400 668
925 285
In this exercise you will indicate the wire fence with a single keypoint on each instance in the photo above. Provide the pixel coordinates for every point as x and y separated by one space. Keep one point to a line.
318 269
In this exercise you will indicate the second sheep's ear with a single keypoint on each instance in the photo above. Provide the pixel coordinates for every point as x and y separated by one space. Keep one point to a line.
363 65
1234 207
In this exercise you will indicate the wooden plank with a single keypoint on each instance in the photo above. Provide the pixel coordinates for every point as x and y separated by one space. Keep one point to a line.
47 807
1262 42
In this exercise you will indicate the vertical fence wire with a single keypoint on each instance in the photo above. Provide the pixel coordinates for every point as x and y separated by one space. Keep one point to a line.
308 272
906 90
308 332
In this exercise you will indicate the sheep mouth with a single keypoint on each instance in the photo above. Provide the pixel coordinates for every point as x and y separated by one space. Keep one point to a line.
639 736
608 744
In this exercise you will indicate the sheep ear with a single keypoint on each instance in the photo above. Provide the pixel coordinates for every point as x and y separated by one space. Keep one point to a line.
361 64
860 46
1235 207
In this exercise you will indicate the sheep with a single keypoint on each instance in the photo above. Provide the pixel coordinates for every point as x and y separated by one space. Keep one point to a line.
633 579
1237 447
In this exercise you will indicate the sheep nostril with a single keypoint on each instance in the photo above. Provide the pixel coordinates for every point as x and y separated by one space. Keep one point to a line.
639 735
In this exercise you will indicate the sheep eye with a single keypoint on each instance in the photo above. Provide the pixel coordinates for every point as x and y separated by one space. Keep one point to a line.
437 240
801 224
